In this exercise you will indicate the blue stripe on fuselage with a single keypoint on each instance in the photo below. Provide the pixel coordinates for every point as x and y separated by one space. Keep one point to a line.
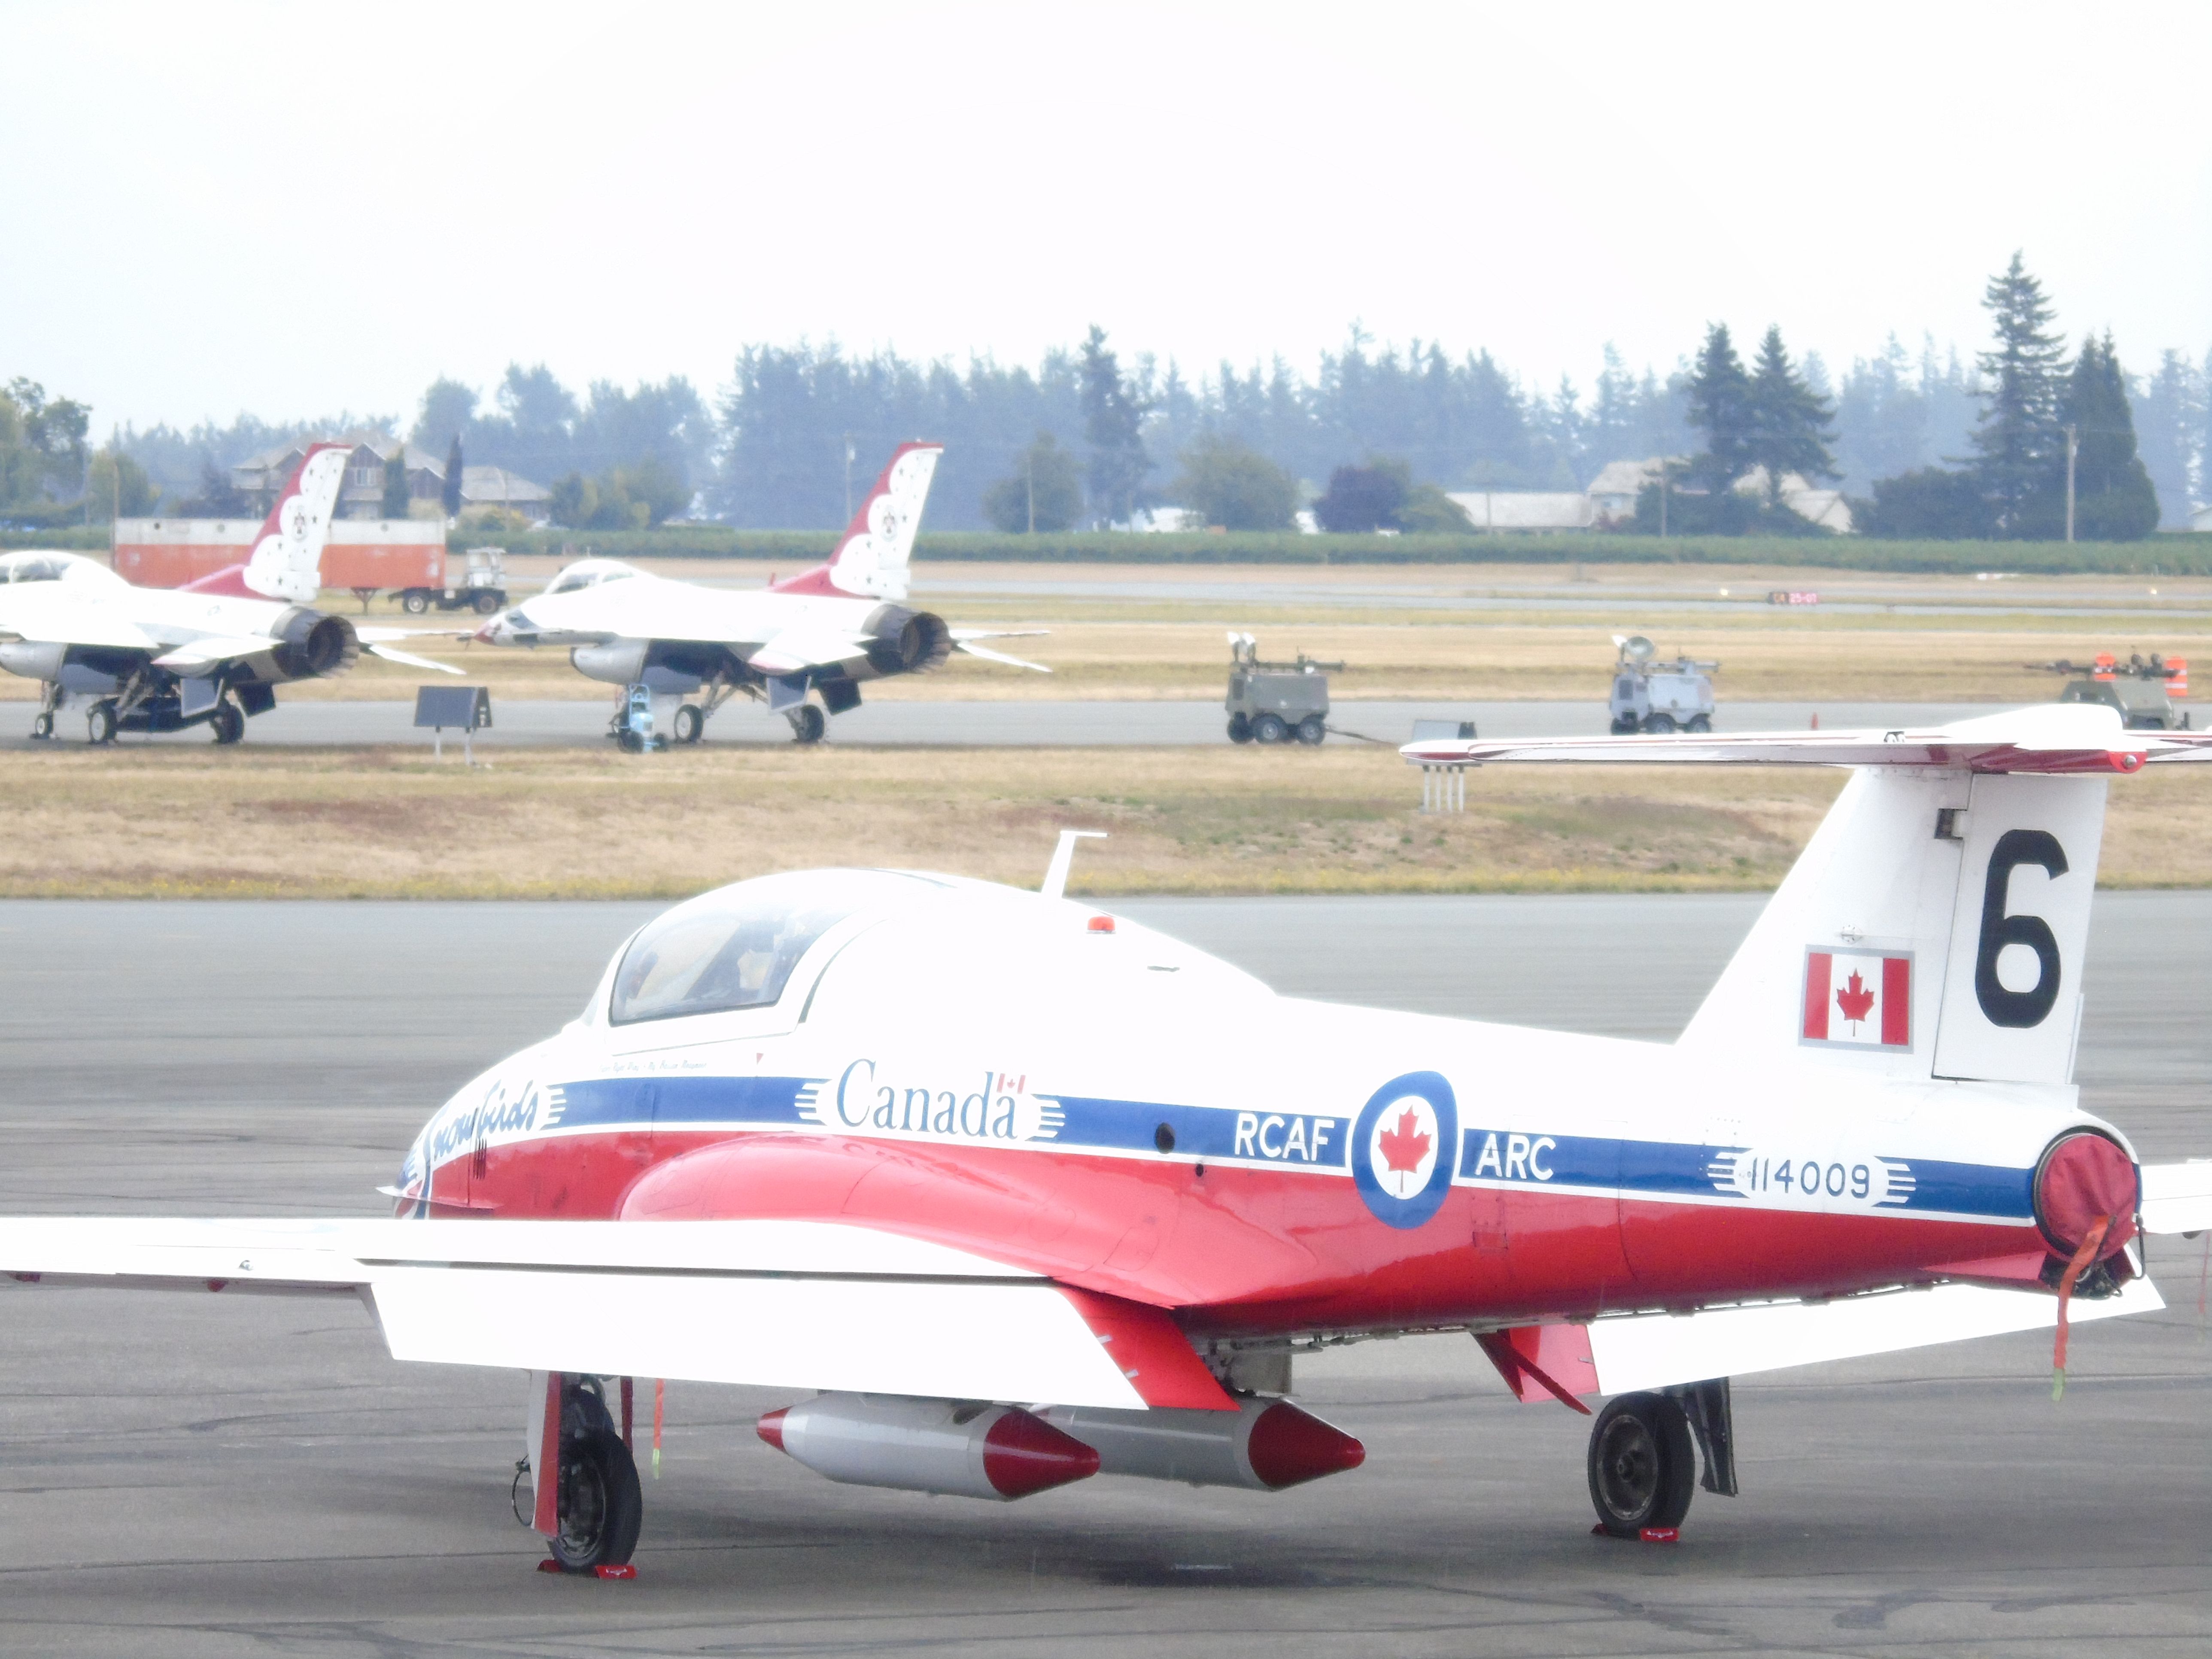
671 1102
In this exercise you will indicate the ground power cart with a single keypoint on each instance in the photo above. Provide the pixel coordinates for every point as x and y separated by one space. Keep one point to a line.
1658 696
1276 701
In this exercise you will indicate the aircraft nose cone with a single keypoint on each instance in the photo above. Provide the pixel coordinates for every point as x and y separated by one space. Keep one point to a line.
500 629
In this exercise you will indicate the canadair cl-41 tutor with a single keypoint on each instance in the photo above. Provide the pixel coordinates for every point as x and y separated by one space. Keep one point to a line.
824 631
1013 1192
209 653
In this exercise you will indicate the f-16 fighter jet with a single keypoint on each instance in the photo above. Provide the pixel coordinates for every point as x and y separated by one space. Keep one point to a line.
209 653
1009 1192
824 631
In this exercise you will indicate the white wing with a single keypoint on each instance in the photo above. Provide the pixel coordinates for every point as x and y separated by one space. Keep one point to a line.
2177 1197
779 1304
964 639
200 653
798 647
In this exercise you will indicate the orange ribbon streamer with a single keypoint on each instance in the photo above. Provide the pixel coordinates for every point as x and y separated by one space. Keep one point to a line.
661 1400
2082 1257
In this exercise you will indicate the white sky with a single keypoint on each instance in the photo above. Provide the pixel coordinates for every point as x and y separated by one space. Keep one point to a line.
213 207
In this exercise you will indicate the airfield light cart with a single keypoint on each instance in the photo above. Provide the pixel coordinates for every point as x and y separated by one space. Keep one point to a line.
1276 701
1650 696
482 588
2147 691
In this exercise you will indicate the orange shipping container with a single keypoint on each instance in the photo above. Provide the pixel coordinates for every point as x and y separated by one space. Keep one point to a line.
372 553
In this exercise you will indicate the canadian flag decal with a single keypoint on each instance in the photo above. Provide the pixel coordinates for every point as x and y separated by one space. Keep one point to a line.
1859 999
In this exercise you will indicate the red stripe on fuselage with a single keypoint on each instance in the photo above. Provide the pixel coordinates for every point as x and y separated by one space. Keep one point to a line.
1235 1249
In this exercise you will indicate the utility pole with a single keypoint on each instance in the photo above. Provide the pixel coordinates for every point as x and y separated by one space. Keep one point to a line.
848 478
1662 497
1028 476
2073 448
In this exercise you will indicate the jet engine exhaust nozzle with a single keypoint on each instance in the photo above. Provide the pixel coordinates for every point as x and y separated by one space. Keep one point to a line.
312 645
947 1446
907 641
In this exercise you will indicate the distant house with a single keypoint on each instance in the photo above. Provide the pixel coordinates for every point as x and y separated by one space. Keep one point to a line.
2201 518
1524 509
1613 492
361 496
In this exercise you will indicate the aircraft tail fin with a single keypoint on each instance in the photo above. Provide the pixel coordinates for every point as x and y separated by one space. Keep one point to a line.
870 558
287 560
1936 923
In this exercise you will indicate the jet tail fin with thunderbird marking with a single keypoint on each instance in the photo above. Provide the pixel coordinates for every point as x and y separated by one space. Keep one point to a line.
869 560
287 560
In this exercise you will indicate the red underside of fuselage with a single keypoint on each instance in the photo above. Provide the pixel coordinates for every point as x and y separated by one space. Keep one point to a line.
1234 1250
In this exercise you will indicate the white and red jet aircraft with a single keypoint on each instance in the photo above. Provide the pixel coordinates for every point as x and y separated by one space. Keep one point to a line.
1017 1193
825 630
210 653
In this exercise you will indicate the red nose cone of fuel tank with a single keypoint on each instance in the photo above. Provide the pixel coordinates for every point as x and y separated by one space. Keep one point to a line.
2085 1178
771 1427
1288 1446
1023 1454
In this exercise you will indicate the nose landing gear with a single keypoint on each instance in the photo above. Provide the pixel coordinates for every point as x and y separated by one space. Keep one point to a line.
599 1504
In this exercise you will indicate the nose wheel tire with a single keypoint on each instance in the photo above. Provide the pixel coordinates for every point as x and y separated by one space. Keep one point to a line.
601 1505
691 724
43 726
1642 1464
808 723
100 724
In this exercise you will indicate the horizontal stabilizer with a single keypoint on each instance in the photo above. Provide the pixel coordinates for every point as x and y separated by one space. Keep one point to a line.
2059 738
989 655
410 660
2177 1197
1659 1350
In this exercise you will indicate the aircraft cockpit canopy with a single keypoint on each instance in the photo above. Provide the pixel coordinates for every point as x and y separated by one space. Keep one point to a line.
735 947
39 567
590 573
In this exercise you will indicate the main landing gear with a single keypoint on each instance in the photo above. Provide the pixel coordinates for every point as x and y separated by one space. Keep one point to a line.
808 723
1644 1454
598 1503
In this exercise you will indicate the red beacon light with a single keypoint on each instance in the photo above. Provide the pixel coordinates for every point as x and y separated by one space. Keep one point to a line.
1100 925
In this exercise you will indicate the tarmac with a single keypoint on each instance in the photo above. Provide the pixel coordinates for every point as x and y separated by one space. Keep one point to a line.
191 1476
1012 723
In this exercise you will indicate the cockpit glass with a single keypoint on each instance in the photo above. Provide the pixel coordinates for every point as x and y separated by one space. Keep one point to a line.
587 575
735 948
37 569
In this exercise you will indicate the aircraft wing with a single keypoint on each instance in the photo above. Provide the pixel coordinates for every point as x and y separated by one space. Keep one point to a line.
798 647
2177 1197
794 1304
200 653
37 613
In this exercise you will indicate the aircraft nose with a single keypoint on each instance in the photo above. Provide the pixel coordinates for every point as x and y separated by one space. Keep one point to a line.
500 629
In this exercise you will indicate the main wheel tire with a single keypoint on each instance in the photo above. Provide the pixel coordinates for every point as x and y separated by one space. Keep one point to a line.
1270 728
99 723
485 604
43 726
1239 729
1643 1465
808 723
1312 729
600 1505
228 721
414 602
1699 723
691 724
1658 725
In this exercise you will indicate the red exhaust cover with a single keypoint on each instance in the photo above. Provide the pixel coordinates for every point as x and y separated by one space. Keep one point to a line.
1288 1446
2085 1178
1023 1454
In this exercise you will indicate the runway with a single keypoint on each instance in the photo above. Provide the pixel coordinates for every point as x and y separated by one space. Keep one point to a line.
187 1475
1010 724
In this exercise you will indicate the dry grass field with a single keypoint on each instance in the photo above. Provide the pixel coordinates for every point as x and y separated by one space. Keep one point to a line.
193 822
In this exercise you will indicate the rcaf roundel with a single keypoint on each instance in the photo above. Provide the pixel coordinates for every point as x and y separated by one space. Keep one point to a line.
1405 1148
1858 999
